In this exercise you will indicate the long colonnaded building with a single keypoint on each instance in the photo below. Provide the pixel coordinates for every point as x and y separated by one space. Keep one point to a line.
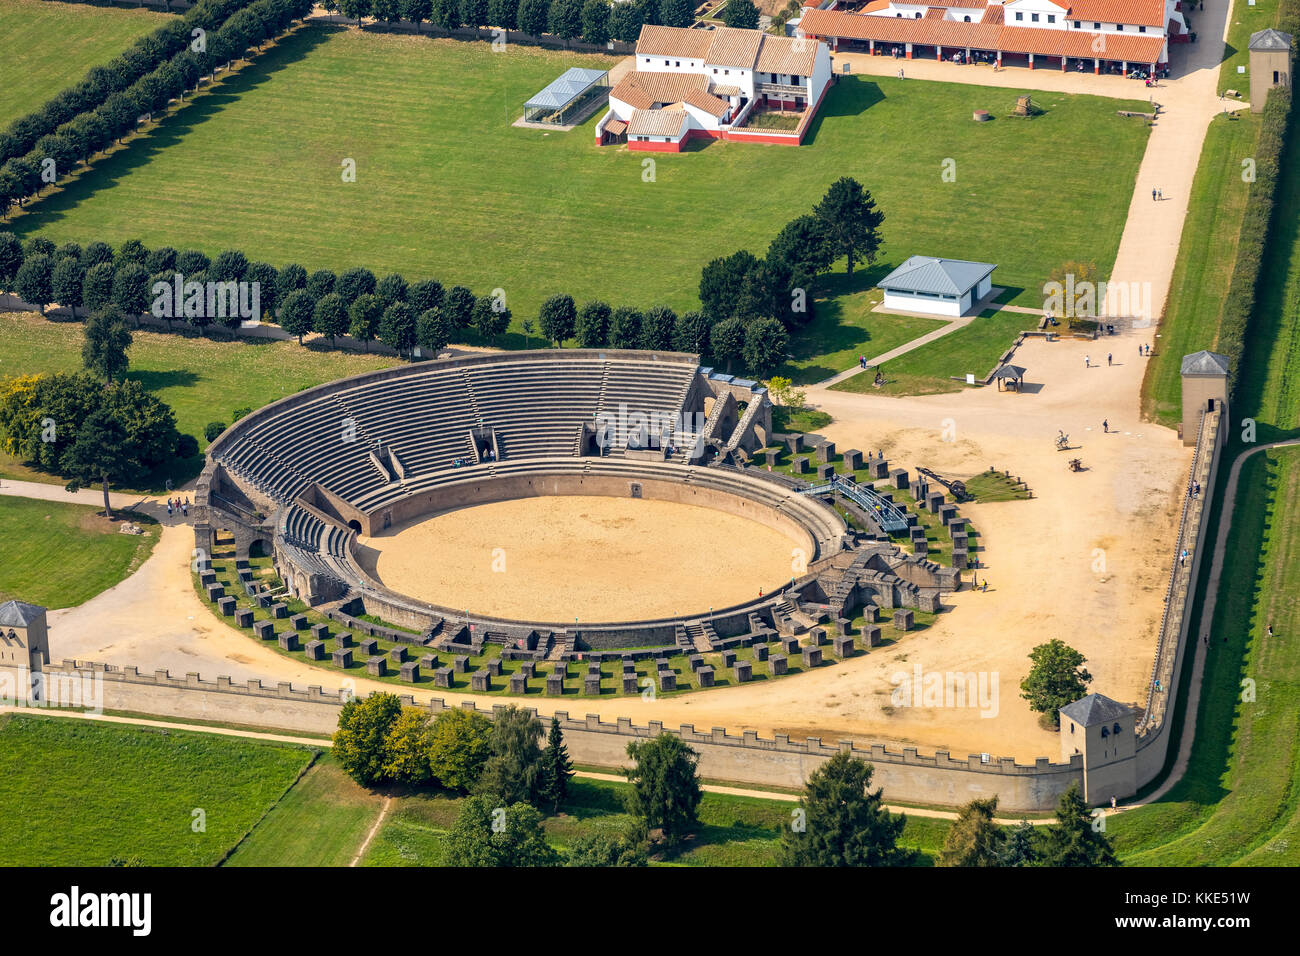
709 83
1084 35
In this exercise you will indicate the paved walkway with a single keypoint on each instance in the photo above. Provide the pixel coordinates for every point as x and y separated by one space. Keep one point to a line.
892 354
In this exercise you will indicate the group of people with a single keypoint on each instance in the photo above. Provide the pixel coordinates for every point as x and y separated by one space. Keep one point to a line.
175 504
1144 350
1194 489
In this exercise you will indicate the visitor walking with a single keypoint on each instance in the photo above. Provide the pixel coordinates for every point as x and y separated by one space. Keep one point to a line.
1108 359
900 72
1105 425
1153 194
1182 558
1160 194
1270 630
1087 361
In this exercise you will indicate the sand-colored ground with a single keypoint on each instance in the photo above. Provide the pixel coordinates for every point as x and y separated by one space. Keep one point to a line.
595 559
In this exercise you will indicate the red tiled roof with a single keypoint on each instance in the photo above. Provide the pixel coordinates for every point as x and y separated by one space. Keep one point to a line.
673 41
1148 13
615 127
1079 43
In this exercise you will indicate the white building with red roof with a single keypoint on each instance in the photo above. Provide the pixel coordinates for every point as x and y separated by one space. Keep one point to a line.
713 81
1095 35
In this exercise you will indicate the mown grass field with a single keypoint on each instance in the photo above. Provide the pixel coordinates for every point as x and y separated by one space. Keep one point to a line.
327 806
446 187
78 793
48 46
203 380
59 555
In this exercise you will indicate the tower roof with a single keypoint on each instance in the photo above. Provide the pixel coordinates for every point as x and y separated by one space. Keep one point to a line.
1205 363
1095 709
18 614
1270 39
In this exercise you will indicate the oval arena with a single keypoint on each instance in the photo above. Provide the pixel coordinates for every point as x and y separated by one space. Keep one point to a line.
558 502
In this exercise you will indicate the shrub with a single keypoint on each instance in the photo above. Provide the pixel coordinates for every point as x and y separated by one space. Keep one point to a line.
212 429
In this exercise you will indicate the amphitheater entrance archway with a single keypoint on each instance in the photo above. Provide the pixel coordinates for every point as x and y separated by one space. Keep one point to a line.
355 525
261 548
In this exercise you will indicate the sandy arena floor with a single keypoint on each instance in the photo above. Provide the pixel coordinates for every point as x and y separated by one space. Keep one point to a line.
601 559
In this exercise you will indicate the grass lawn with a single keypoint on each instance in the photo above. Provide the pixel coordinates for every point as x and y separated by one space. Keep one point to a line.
445 186
1206 255
68 554
844 327
202 379
50 46
1245 20
926 370
79 793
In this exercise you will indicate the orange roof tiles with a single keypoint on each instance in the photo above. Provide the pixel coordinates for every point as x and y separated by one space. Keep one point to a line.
733 47
673 41
787 55
1149 13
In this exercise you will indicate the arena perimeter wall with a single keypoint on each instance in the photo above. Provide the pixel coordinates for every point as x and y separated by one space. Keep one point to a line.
907 776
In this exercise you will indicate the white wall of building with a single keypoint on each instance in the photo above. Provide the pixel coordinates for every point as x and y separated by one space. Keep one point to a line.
930 305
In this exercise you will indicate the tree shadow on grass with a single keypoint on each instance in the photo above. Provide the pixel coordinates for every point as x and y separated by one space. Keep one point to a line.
171 129
849 96
164 378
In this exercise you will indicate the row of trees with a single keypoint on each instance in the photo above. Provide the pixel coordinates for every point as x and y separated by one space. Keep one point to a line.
1075 839
41 147
593 21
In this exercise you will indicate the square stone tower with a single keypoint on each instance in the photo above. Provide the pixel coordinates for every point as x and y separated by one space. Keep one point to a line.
1205 388
1270 65
1101 730
24 648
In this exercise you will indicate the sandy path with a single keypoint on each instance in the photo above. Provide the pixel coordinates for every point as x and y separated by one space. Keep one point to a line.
602 559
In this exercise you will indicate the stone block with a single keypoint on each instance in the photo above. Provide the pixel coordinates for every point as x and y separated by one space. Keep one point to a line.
320 632
265 600
760 652
630 685
264 629
696 661
250 588
411 672
790 645
518 684
398 654
799 466
947 513
844 625
429 661
843 646
554 685
956 525
460 663
817 636
342 657
743 670
826 452
705 676
226 606
591 685
934 501
216 592
315 650
279 611
377 666
244 617
898 477
441 676
667 680
878 468
207 579
852 460
871 635
794 443
772 454
343 640
812 656
479 680
728 658
870 613
959 541
903 619
960 561
920 547
369 647
299 623
494 667
528 669
825 472
918 489
777 664
288 640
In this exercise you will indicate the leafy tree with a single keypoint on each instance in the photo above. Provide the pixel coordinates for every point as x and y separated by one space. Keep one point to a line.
511 772
354 283
606 849
474 13
657 327
133 250
459 307
1056 678
665 785
503 13
488 321
784 393
727 340
741 14
425 295
406 748
432 332
459 746
528 327
692 333
364 316
192 261
766 341
320 283
595 22
38 246
721 282
803 244
625 328
297 313
267 280
676 13
417 11
1019 846
974 840
107 338
555 769
1073 840
66 282
160 260
212 429
534 16
397 327
592 325
330 317
100 252
292 277
488 835
35 281
446 13
98 454
391 288
624 22
131 288
852 221
69 250
354 9
557 319
229 266
11 259
359 742
565 19
390 11
97 287
843 823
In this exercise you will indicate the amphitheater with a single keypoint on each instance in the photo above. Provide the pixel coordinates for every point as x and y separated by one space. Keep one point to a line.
323 480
